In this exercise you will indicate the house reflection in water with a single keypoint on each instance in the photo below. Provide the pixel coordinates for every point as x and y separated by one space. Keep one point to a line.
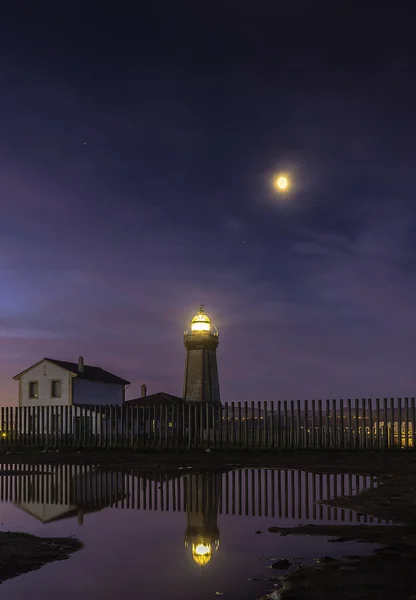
54 493
202 503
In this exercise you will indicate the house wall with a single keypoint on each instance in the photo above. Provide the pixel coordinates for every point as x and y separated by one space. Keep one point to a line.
44 373
98 393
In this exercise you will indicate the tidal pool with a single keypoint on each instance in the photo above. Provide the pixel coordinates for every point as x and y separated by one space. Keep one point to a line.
183 536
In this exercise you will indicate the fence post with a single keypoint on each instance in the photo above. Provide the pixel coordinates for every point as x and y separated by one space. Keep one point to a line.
412 402
406 422
266 441
292 424
363 431
285 425
246 444
399 422
328 425
370 414
313 425
252 424
259 431
272 424
233 436
201 426
221 424
226 426
392 445
279 424
11 427
239 416
306 423
349 423
385 428
183 436
320 426
342 428
298 425
165 415
357 423
334 423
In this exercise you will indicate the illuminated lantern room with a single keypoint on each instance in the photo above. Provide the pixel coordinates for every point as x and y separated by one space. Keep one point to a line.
201 323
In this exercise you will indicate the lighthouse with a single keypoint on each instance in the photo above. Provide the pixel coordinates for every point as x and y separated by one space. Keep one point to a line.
201 372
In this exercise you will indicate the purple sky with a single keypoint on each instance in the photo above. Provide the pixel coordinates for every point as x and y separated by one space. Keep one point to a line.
136 152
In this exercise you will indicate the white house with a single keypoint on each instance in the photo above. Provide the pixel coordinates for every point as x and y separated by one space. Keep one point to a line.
52 382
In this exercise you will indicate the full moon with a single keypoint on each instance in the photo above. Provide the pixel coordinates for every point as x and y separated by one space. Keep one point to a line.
281 183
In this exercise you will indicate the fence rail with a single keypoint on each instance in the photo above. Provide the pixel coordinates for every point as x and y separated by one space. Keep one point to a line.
359 424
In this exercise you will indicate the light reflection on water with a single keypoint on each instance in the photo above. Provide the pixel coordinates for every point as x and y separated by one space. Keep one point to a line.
149 534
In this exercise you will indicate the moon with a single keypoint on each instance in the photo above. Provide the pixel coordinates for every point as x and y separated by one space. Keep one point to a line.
281 183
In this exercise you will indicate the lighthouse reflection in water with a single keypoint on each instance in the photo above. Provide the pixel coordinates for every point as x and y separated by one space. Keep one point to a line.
202 504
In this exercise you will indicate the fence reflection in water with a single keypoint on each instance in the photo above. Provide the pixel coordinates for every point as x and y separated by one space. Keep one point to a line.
50 492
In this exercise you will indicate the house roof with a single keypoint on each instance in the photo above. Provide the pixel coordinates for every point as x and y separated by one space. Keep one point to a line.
159 398
89 372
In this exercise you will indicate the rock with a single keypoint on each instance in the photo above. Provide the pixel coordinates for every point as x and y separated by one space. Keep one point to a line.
342 539
353 557
258 532
325 559
284 563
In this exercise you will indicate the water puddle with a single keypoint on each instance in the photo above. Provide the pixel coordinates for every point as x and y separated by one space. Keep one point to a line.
178 535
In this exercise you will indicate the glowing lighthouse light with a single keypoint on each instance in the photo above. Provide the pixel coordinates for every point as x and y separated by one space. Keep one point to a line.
201 323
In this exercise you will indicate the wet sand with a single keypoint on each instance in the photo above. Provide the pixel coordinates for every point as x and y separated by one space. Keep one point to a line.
21 553
318 461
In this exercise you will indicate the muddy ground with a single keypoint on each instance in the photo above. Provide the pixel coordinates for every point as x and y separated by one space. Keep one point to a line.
387 573
21 552
368 462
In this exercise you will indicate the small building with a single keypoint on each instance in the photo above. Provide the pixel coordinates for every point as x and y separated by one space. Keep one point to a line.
52 382
157 412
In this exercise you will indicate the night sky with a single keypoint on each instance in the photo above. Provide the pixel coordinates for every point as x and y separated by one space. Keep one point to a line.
137 149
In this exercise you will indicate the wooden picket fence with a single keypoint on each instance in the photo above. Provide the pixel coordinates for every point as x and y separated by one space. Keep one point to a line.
331 424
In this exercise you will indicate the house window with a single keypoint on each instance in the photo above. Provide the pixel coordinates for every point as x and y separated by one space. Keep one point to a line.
56 388
33 389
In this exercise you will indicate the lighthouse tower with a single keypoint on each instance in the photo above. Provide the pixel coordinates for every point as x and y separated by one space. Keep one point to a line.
201 372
